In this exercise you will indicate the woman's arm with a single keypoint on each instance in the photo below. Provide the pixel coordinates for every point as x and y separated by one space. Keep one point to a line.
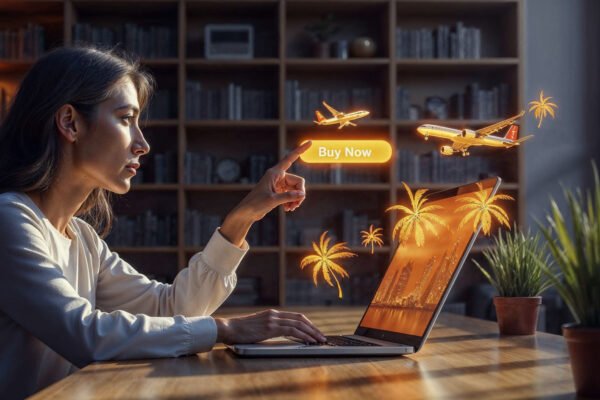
35 294
210 276
197 290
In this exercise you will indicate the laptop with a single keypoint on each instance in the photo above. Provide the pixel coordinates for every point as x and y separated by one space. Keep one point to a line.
410 295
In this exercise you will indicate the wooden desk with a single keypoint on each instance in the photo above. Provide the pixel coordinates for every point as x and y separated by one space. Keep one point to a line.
464 358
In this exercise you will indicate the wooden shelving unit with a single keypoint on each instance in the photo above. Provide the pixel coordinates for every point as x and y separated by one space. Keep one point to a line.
280 23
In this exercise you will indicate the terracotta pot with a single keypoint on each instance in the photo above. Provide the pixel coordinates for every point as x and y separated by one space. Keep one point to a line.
517 315
584 350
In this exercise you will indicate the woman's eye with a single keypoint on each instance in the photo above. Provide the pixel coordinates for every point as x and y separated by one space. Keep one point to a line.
128 118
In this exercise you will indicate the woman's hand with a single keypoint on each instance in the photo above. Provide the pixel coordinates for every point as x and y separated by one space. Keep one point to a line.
276 187
265 325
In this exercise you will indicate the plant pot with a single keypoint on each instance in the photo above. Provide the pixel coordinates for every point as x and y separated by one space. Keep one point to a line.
584 351
321 50
517 315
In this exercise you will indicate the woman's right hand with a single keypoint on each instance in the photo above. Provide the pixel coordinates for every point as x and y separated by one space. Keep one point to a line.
264 325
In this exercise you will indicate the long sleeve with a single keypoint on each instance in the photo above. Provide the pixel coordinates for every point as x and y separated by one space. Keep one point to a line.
37 297
197 290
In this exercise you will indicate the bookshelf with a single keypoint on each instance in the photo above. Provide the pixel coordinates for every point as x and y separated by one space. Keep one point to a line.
284 54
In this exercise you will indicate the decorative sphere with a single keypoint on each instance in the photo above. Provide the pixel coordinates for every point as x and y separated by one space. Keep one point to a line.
363 47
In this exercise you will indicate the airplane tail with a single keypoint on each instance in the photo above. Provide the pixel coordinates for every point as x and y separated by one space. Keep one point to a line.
513 132
320 116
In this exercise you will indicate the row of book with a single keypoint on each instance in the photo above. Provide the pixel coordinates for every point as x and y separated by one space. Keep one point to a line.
164 169
146 42
162 105
353 224
429 167
199 168
432 167
232 102
301 103
445 41
263 232
147 229
199 227
474 103
357 290
23 43
337 173
305 232
479 103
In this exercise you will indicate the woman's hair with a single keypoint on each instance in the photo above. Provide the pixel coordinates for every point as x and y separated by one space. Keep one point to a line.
30 149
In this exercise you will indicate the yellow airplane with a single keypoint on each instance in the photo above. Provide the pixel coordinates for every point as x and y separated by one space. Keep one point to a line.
462 139
339 117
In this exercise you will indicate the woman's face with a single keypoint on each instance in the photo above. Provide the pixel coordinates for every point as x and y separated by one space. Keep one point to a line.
108 154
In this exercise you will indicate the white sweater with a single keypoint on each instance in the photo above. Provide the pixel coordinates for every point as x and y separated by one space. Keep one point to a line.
67 302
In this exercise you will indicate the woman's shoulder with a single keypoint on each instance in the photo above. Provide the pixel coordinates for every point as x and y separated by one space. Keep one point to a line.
18 213
17 203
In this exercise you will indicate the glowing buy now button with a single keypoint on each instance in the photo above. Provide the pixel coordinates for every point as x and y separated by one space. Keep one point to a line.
348 151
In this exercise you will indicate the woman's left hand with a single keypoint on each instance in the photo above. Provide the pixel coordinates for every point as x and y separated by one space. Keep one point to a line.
276 187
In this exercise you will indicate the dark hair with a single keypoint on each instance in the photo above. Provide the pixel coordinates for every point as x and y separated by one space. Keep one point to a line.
29 139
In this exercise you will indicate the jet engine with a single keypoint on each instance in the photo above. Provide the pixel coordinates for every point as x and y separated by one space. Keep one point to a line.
446 150
469 134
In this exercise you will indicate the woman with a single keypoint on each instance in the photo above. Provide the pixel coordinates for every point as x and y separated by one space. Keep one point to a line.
70 138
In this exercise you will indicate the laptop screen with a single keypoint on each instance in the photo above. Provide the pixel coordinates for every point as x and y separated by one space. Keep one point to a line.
419 274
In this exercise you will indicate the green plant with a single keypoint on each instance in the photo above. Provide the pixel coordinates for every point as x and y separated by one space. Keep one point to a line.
515 262
323 29
578 256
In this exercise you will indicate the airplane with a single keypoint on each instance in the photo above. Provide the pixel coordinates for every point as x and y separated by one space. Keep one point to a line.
462 139
339 117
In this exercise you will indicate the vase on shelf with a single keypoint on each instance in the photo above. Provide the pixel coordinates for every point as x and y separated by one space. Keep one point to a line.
321 49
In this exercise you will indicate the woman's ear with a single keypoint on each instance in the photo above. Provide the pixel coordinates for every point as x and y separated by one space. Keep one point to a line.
67 123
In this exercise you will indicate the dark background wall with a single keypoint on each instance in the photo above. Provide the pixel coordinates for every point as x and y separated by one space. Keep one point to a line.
562 57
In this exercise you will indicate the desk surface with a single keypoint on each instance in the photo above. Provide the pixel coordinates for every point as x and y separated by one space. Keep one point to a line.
464 358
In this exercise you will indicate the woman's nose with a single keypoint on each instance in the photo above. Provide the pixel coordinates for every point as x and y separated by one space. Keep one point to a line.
141 146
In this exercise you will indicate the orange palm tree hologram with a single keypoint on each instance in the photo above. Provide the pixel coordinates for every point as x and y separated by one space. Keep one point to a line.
419 218
372 237
482 210
542 107
323 261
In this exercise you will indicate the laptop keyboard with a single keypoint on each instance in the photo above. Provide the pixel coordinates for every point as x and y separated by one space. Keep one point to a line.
343 341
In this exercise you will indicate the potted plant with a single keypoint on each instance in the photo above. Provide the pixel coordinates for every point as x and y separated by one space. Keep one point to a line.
576 250
515 263
322 31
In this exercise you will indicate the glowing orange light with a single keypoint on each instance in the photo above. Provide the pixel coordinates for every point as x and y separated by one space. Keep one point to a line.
419 218
372 237
542 108
323 261
348 152
482 210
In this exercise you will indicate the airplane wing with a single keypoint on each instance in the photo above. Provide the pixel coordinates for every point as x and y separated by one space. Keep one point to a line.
332 110
488 130
459 146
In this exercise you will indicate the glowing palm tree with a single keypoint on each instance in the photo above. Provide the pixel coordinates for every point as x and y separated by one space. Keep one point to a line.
542 108
482 210
372 237
419 217
323 261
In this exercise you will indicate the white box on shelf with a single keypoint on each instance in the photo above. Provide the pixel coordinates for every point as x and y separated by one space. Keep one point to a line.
229 41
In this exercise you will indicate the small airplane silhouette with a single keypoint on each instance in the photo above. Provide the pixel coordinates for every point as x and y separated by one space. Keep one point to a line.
339 117
462 139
